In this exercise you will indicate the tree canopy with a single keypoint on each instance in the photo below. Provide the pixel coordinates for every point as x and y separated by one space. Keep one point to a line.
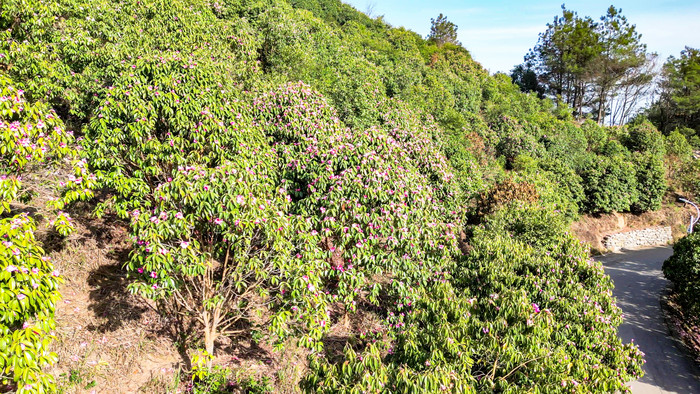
600 68
442 31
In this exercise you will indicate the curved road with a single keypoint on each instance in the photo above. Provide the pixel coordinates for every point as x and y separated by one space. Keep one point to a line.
639 283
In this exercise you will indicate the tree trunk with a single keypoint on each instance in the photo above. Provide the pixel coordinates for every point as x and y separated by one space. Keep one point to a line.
209 338
601 107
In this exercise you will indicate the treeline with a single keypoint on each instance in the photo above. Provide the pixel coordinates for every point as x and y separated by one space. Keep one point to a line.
601 69
305 162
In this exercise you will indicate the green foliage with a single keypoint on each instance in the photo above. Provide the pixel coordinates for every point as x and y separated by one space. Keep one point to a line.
216 381
651 182
526 79
677 146
539 227
568 181
645 138
683 270
688 178
442 31
30 134
246 191
609 183
679 102
512 317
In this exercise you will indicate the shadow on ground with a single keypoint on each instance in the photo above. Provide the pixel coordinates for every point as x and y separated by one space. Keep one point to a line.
639 284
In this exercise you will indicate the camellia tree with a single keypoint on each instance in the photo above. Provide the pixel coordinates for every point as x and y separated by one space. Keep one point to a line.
200 186
524 310
29 134
285 210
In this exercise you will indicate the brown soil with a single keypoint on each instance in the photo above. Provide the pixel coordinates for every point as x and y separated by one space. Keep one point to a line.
591 229
108 340
111 341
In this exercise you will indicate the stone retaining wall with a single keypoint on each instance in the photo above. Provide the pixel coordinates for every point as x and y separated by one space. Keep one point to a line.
654 236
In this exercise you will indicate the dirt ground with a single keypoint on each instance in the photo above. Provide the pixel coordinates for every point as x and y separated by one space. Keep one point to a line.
592 228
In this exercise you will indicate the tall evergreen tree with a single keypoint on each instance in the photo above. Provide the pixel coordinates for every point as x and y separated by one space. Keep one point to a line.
621 50
442 31
590 64
678 105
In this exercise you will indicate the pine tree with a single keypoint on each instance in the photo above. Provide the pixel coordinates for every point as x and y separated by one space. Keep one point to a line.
443 31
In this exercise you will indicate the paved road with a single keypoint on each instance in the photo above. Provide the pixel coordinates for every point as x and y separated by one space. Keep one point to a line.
638 285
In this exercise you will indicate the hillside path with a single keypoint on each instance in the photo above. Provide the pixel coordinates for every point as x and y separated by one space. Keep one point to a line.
639 284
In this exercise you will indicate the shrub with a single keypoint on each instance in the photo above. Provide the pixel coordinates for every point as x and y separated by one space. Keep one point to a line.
688 177
644 137
677 146
288 206
596 136
514 141
208 210
504 193
651 182
683 270
530 224
567 145
29 134
568 182
610 184
511 317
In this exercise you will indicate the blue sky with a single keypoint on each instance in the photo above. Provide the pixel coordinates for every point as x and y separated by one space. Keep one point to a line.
499 33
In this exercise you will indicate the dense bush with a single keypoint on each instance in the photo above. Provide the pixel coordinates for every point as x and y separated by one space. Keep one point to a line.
246 191
677 146
683 270
644 137
504 193
651 182
511 317
610 184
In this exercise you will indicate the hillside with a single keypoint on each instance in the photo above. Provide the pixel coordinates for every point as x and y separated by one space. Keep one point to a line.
293 196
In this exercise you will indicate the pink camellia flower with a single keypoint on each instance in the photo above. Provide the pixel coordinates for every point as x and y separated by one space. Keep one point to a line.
11 268
155 286
55 273
140 270
163 251
154 274
25 325
536 308
35 285
218 221
16 252
35 270
240 200
184 244
21 296
311 287
179 215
